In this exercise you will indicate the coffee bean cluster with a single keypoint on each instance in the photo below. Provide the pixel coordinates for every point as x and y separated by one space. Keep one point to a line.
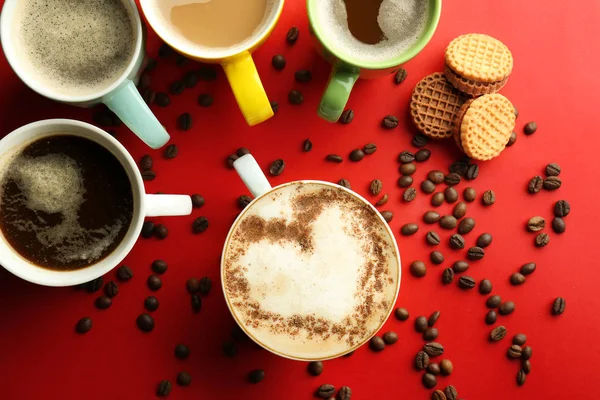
328 391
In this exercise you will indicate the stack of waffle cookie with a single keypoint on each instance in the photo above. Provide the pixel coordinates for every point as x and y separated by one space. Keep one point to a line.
462 102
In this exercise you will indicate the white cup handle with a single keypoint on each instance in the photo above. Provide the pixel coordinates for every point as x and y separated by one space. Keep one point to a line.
252 176
163 205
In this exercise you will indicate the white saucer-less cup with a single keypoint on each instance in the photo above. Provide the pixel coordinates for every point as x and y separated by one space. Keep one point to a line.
144 205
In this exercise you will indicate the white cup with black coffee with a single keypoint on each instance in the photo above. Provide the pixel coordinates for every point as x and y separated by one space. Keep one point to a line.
72 202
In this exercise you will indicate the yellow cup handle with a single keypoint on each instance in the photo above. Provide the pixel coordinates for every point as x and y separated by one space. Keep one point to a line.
247 88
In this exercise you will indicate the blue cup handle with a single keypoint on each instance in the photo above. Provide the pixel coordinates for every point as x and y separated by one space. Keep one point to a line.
131 108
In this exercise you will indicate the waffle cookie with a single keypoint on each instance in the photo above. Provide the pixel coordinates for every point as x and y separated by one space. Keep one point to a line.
434 105
478 64
483 126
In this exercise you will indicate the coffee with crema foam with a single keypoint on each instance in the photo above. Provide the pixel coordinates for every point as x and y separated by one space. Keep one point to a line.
310 271
75 47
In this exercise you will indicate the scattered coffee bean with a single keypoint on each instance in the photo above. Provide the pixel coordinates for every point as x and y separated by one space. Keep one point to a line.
558 225
387 215
553 169
485 286
400 76
448 222
421 360
124 273
182 60
334 158
145 322
345 183
437 199
197 200
200 225
390 337
176 88
432 238
472 172
243 201
447 276
256 376
357 155
295 97
460 266
161 231
535 184
466 226
427 186
405 181
345 393
493 301
558 307
446 367
517 279
148 175
205 285
151 65
406 157
421 324
103 302
84 325
526 366
389 122
192 285
190 79
536 224
408 169
542 240
93 285
475 253
521 377
459 167
433 349
526 353
552 183
111 289
422 155
377 343
148 95
196 302
498 333
457 242
452 179
184 378
484 240
436 257
409 194
171 151
491 317
231 159
162 99
512 139
430 334
307 146
347 116
154 282
409 229
181 351
164 388
418 269
429 381
451 195
401 314
514 351
466 282
159 266
305 76
562 208
278 62
151 303
315 368
488 198
438 395
277 167
370 148
433 318
436 176
292 36
469 194
530 128
433 369
325 391
519 339
375 187
459 210
207 73
274 106
431 217
419 140
451 393
242 151
506 308
146 162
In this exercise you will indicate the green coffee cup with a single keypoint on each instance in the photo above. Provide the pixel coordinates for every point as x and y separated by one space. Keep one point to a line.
347 68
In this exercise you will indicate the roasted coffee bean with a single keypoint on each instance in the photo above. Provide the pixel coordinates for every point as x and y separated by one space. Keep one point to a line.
558 225
192 285
460 266
422 155
521 377
124 273
347 116
205 100
493 301
488 198
243 201
162 99
405 181
519 339
512 139
84 325
357 155
148 175
406 157
400 76
182 60
459 210
278 62
231 159
433 349
390 337
151 65
421 360
164 388
256 376
148 95
401 314
345 183
277 167
437 199
485 286
274 106
436 176
436 257
205 285
459 167
151 303
457 242
305 76
199 225
451 393
466 282
433 369
190 79
159 266
514 351
93 285
427 186
334 158
419 140
171 151
196 302
370 148
535 184
242 151
491 317
526 366
377 343
375 187
526 353
315 368
448 222
447 276
409 194
176 88
475 253
451 195
389 122
408 169
154 282
517 279
197 200
145 322
387 215
446 367
553 169
292 36
307 146
542 240
530 128
431 217
498 333
466 225
433 318
409 229
146 162
184 378
438 395
421 324
536 224
345 393
472 172
430 334
432 238
111 289
469 194
103 302
418 269
506 308
295 97
484 240
558 307
181 351
429 381
562 208
452 179
552 183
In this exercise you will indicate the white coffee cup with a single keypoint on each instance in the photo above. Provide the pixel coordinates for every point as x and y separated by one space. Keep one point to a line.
144 205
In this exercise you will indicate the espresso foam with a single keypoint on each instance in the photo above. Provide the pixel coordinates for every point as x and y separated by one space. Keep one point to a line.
75 47
310 271
402 22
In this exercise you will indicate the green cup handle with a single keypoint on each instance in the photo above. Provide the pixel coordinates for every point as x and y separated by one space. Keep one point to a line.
131 108
338 91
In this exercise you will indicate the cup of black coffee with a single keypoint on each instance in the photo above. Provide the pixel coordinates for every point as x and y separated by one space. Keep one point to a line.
72 202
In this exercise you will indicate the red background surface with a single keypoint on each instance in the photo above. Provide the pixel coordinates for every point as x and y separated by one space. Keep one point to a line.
555 82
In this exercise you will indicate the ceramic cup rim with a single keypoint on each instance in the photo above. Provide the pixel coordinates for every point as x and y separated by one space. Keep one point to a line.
362 200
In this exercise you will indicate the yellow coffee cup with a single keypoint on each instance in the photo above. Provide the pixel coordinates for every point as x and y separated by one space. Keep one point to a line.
236 59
